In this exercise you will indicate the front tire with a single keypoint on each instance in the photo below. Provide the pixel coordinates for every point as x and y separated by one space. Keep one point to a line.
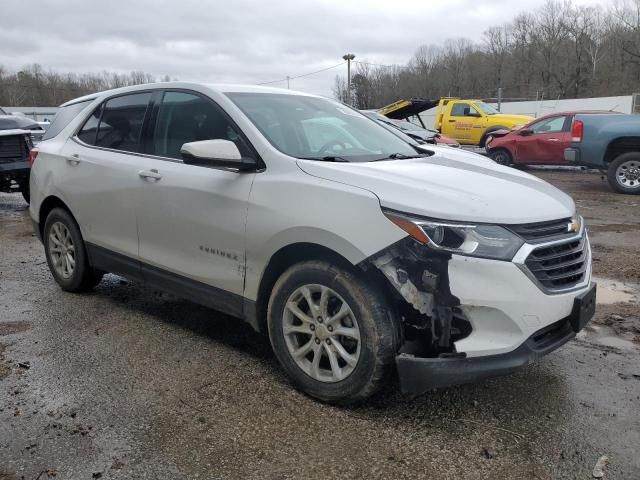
501 156
333 332
66 253
623 173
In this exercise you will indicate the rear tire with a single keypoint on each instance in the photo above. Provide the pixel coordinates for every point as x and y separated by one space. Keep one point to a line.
305 337
66 253
623 173
501 156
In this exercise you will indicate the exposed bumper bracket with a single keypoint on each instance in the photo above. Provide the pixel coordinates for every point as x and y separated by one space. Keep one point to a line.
418 375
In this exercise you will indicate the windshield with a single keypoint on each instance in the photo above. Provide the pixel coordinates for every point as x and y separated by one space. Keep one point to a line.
486 108
319 128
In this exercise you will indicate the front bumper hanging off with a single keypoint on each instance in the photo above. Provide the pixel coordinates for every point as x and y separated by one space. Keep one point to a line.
418 375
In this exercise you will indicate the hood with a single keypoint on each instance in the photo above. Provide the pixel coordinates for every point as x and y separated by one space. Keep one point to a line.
10 122
452 185
511 120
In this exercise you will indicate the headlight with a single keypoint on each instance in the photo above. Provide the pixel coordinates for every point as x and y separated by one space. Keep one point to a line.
486 241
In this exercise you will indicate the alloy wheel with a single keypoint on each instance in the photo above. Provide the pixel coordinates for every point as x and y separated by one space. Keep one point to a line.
62 250
321 333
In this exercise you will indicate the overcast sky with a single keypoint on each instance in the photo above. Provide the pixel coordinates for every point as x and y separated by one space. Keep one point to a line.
237 41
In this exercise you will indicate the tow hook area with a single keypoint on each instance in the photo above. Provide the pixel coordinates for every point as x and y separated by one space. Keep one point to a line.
431 315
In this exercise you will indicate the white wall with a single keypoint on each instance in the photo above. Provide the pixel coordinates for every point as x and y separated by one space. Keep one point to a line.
39 114
539 108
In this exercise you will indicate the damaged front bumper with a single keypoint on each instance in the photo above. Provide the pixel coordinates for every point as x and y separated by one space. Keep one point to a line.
417 374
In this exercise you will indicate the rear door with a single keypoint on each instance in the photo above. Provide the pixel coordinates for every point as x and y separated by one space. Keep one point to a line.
100 179
192 218
546 143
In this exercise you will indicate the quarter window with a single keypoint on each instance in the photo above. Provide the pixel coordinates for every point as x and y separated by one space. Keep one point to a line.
121 122
63 118
185 117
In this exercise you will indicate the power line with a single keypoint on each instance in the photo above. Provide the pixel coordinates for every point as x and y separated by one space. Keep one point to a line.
300 76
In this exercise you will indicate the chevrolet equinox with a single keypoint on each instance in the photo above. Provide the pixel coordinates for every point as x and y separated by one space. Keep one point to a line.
365 257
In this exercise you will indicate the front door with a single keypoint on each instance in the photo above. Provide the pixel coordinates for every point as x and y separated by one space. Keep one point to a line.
462 123
192 218
546 144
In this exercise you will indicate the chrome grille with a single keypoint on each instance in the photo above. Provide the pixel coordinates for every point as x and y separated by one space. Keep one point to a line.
560 266
543 231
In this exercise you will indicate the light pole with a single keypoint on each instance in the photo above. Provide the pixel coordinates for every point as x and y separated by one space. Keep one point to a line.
348 57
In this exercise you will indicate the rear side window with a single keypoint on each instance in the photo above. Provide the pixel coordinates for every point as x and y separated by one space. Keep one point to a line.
89 130
63 118
185 117
120 123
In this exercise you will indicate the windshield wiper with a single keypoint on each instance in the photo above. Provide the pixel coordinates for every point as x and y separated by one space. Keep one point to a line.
328 158
397 156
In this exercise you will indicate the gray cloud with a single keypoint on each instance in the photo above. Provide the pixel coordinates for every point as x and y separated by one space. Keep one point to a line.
237 41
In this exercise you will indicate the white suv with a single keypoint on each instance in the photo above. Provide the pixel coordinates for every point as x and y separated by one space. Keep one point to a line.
363 257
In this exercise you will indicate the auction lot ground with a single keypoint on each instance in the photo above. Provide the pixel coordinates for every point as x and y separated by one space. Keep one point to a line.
126 383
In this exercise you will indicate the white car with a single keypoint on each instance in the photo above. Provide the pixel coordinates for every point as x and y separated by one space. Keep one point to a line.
360 255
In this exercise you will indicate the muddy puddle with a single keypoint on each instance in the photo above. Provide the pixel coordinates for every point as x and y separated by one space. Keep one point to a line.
615 291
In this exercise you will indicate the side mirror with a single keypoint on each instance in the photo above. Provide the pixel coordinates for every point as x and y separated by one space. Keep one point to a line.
215 153
525 132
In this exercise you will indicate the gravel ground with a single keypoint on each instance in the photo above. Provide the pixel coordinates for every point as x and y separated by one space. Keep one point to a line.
125 383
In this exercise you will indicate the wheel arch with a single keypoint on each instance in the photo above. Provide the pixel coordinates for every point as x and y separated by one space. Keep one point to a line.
620 145
47 205
283 259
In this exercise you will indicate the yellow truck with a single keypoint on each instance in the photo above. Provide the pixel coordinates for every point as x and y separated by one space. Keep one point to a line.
470 121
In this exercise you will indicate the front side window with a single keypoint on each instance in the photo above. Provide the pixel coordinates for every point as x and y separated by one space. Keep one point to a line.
460 110
186 117
63 118
549 125
121 122
317 128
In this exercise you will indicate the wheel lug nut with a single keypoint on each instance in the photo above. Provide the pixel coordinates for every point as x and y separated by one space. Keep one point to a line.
319 319
328 341
330 328
317 340
312 327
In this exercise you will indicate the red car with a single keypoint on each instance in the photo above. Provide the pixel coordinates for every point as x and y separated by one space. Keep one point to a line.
540 142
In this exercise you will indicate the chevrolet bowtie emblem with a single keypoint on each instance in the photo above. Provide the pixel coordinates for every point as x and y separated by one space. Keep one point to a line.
574 226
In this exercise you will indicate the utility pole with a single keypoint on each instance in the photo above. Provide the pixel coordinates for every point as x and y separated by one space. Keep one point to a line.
348 57
499 98
288 78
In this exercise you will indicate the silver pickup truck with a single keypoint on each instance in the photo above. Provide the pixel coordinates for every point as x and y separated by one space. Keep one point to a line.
611 143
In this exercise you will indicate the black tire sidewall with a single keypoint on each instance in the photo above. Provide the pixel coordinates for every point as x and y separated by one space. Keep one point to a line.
378 340
502 151
612 178
82 273
24 190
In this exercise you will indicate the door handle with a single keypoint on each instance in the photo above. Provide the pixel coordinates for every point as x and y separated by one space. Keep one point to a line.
153 173
74 159
451 121
552 139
